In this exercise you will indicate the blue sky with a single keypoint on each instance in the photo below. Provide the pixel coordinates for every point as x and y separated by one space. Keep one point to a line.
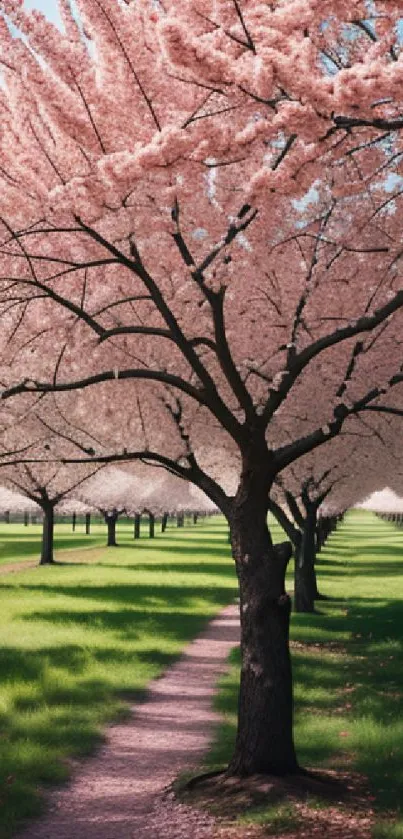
49 7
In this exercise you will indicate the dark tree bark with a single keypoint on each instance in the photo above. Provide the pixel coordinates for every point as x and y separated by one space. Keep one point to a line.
195 517
87 523
47 533
305 586
324 527
180 519
151 525
73 522
26 519
264 741
164 522
111 519
7 516
137 525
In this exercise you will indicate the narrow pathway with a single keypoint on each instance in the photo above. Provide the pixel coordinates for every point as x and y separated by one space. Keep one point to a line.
119 794
13 567
63 558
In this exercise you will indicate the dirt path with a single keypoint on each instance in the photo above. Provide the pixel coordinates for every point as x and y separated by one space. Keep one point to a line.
13 567
63 558
119 794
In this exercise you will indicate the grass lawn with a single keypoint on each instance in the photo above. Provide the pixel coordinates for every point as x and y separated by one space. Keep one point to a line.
77 640
348 673
19 542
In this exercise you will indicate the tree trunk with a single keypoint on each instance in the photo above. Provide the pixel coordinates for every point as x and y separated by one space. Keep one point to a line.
264 741
87 523
180 519
137 523
164 522
305 588
151 525
47 535
7 516
26 519
111 519
73 522
195 517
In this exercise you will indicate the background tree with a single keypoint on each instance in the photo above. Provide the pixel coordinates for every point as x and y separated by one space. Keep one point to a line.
42 479
46 485
14 503
114 492
302 491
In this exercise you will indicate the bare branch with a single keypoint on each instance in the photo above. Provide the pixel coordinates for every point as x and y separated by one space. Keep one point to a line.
249 41
284 521
366 323
32 386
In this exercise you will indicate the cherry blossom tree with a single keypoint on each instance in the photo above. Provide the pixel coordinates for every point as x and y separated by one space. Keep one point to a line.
383 501
200 242
386 504
114 492
297 507
71 506
298 516
45 485
42 478
14 502
325 483
171 495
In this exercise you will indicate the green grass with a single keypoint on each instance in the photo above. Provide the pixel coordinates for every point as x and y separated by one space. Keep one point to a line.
78 640
19 542
348 668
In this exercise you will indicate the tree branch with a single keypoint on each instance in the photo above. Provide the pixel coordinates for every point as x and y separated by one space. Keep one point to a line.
301 360
294 509
289 529
211 397
32 386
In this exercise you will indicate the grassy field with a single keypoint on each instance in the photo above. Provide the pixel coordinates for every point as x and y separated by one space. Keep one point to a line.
19 542
79 639
348 670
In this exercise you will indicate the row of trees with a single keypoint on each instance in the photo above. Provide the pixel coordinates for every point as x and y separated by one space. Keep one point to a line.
111 492
201 271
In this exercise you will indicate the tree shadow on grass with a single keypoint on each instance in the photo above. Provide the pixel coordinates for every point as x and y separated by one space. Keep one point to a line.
187 546
221 569
136 596
21 546
176 532
127 624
